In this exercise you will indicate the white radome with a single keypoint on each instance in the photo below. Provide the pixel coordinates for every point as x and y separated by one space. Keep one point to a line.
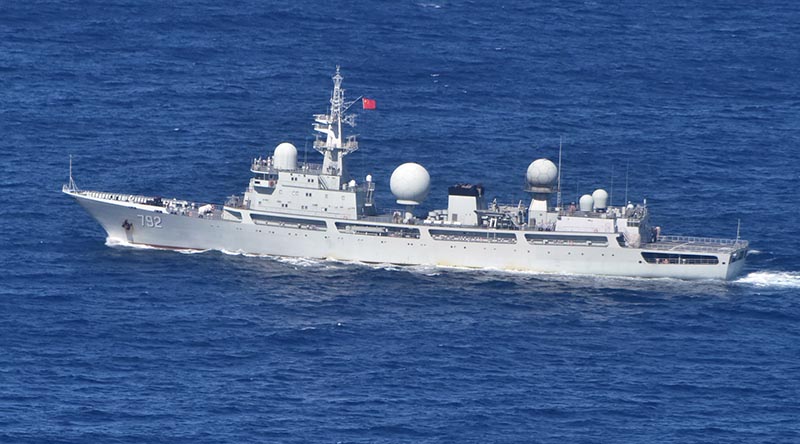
541 173
285 156
600 197
586 203
410 183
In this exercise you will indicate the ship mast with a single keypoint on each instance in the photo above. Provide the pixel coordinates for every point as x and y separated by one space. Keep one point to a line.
71 186
335 147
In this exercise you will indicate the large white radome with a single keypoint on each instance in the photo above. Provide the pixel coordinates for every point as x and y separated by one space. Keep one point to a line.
285 156
410 183
541 173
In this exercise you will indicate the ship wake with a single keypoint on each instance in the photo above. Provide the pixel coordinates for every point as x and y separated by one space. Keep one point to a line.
773 279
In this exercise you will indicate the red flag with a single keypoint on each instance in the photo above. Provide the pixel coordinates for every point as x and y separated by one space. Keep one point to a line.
368 103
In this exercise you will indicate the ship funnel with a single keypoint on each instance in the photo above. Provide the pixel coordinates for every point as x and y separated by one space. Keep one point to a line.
586 203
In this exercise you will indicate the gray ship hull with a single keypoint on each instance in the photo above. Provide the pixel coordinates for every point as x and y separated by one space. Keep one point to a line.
359 241
318 210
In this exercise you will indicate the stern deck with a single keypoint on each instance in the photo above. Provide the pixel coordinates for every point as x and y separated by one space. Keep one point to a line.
696 244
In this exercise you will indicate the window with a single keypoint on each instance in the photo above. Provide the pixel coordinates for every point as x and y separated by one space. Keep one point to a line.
566 240
473 236
678 258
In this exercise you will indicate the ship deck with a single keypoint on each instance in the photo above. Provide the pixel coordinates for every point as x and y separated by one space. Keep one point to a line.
168 206
697 244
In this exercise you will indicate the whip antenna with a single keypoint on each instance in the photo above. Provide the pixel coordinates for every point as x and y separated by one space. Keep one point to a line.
627 166
558 194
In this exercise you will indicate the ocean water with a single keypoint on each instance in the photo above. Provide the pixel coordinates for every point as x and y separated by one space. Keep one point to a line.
696 105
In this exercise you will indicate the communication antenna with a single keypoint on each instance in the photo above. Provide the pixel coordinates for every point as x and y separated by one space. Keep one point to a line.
558 194
627 166
71 185
738 227
611 192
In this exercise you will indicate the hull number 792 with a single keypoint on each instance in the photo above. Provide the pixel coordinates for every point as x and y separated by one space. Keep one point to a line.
150 221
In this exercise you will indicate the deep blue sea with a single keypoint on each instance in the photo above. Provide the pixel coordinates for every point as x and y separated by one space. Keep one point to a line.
696 104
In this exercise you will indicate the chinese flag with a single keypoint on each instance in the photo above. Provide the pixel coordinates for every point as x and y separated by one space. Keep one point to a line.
368 103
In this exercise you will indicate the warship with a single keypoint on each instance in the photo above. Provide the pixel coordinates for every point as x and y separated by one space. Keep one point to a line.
317 210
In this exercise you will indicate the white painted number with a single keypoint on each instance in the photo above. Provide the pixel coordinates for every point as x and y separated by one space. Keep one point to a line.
150 221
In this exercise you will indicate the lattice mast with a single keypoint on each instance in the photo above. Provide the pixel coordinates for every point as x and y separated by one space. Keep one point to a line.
335 146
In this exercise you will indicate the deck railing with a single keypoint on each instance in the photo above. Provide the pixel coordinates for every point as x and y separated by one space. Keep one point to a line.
691 243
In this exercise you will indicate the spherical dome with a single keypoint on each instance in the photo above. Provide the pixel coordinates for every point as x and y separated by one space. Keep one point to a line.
542 173
600 197
586 203
285 156
410 183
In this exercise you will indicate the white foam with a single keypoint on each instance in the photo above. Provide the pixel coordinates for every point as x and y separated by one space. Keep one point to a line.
111 242
296 261
118 243
184 251
777 279
242 253
427 270
299 261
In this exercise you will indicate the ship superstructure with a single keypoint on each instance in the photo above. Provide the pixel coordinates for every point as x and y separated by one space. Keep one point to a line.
281 185
318 210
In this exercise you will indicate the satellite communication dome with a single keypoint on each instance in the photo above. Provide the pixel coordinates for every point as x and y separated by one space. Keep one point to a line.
541 173
410 183
586 203
285 156
600 197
